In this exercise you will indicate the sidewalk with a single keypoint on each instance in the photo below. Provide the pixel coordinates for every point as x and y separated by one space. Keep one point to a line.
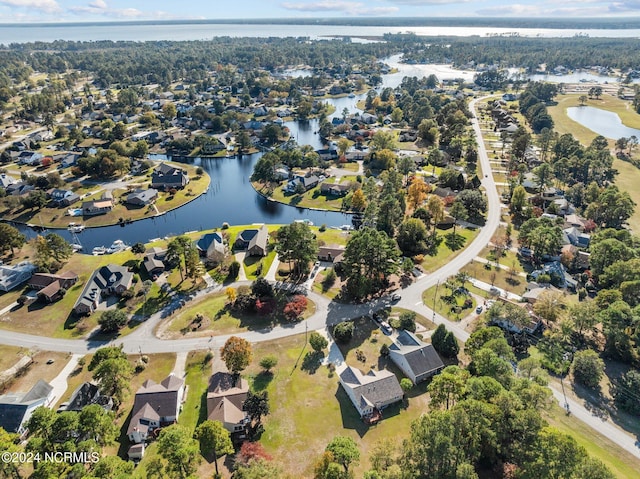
59 383
487 287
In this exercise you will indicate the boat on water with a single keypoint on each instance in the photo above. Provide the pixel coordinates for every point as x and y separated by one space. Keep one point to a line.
351 95
76 247
305 221
76 227
116 247
99 250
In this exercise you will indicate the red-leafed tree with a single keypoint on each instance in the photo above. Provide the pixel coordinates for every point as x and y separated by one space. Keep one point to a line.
294 309
252 451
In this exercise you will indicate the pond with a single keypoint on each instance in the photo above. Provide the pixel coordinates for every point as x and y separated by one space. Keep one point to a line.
603 122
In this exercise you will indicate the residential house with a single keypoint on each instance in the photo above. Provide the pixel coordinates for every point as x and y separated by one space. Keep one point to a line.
368 118
328 154
225 402
52 287
154 261
155 405
140 197
107 280
307 182
559 275
417 360
372 392
16 409
516 324
98 207
19 188
15 275
6 181
63 197
332 253
87 394
335 189
167 176
212 247
355 155
254 241
282 173
29 158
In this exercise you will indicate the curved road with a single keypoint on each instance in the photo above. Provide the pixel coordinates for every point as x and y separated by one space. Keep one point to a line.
144 340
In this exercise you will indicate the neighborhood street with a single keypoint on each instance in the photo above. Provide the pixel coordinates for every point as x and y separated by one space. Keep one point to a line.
329 312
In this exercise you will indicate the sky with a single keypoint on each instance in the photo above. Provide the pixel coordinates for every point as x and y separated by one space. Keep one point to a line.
28 11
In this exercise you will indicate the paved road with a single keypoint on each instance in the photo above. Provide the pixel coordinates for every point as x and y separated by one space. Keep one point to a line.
328 313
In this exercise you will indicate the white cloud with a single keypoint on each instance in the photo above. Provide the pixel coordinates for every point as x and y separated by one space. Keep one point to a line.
48 6
99 4
626 6
351 8
549 9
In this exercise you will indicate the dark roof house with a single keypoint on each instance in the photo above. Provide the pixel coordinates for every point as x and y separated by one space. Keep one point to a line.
109 279
87 394
372 392
50 286
141 197
167 176
16 409
155 405
417 360
254 241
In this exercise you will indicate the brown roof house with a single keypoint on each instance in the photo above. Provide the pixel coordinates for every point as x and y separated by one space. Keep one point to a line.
51 287
372 392
254 241
332 253
417 360
225 398
155 405
109 279
98 207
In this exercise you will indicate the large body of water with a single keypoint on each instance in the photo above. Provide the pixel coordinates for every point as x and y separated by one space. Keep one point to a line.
603 122
146 32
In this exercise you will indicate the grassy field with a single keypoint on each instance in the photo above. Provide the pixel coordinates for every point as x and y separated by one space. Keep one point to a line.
39 369
499 277
446 254
218 319
435 294
629 175
309 408
56 217
621 463
9 355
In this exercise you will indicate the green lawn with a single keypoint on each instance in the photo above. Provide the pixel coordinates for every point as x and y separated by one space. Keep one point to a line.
218 319
310 199
445 254
621 463
436 293
499 277
252 263
194 410
309 408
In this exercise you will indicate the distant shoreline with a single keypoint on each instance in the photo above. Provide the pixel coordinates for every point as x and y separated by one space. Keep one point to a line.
616 23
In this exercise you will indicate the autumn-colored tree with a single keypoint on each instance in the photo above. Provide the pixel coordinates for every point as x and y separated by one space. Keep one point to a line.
417 192
294 309
236 354
251 451
435 207
358 201
232 294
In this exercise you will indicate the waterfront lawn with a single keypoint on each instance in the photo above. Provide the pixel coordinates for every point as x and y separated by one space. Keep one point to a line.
219 319
309 408
446 254
331 236
627 180
57 218
446 309
310 199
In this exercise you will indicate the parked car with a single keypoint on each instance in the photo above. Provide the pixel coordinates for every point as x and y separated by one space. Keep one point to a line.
386 328
479 309
395 297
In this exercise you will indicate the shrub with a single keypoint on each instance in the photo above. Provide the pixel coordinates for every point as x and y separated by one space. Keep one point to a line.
234 270
317 341
144 359
207 357
343 332
406 384
112 320
140 367
322 228
384 351
587 368
261 288
199 171
268 362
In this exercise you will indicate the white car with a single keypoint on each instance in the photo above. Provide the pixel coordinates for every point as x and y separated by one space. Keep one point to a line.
386 328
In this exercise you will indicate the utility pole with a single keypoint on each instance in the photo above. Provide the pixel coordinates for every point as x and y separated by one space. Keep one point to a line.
435 295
